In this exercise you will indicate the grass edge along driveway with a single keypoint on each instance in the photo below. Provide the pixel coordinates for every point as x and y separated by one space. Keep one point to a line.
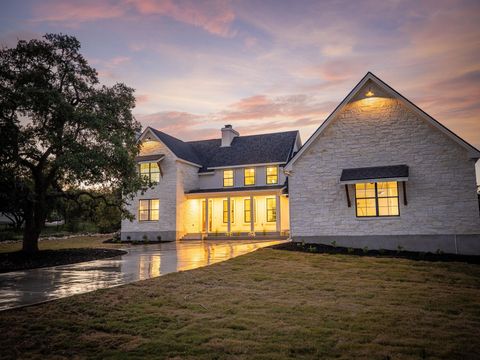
267 304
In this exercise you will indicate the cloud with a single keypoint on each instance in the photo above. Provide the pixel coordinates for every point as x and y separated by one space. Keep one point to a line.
72 13
213 16
262 106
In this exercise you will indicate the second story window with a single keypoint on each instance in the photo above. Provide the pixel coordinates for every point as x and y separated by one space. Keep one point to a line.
227 178
150 171
249 176
272 175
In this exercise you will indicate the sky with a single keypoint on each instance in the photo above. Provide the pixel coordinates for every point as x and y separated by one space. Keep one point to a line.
267 66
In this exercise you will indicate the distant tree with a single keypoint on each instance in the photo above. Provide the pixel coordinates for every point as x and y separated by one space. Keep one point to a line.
12 197
61 130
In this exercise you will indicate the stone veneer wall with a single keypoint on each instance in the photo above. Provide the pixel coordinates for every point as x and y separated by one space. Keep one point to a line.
165 191
377 132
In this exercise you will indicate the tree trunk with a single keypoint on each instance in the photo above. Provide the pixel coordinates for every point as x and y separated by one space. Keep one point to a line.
35 216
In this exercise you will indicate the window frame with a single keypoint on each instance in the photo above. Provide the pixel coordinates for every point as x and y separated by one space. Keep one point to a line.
245 211
276 175
274 210
225 211
148 210
376 197
229 178
245 176
149 174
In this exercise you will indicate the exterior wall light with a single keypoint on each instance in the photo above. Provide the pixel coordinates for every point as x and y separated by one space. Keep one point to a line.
369 93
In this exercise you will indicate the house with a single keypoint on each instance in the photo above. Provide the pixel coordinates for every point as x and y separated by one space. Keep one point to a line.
381 173
234 185
378 173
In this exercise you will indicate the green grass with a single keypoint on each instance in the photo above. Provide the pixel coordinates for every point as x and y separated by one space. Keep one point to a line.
267 304
80 241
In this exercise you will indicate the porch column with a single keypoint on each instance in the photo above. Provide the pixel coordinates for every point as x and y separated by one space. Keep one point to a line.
277 204
206 215
252 215
229 225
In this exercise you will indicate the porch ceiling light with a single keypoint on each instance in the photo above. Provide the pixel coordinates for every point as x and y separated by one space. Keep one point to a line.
369 93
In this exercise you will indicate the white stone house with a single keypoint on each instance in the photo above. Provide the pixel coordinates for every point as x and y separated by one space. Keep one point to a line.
378 173
381 173
241 178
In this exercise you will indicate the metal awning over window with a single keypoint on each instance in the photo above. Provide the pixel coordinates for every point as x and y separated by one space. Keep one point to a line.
150 158
374 174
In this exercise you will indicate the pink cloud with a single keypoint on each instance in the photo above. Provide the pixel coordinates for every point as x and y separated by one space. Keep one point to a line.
75 12
261 107
214 16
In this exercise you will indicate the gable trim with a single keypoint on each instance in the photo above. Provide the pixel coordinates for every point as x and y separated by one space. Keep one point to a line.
471 150
147 129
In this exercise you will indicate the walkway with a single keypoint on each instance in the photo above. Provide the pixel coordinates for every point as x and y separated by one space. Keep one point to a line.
28 287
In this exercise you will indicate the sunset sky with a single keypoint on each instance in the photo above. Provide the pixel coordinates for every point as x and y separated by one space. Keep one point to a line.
268 65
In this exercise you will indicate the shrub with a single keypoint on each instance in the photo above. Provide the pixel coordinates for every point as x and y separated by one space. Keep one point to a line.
159 238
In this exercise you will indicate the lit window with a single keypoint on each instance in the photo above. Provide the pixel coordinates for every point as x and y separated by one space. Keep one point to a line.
150 171
272 174
225 211
227 178
271 209
249 175
247 214
377 199
148 210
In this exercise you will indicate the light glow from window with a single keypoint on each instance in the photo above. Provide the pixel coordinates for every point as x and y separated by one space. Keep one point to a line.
377 199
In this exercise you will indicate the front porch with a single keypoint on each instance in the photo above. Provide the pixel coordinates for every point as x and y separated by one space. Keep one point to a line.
236 214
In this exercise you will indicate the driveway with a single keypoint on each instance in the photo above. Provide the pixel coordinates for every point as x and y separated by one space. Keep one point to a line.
28 287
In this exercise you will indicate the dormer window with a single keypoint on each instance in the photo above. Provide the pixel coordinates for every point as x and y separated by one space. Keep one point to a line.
249 176
227 178
150 171
272 175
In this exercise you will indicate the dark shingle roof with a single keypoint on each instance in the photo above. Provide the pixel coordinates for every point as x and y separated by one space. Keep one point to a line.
253 149
376 172
180 148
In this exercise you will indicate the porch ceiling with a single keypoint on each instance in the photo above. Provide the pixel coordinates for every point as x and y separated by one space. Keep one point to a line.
236 191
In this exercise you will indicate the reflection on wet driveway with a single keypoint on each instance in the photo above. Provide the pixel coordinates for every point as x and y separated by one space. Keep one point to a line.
142 262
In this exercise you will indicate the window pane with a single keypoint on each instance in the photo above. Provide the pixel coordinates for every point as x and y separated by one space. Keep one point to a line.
382 189
249 176
272 174
154 215
154 204
155 177
246 211
143 215
228 178
271 210
225 211
360 191
144 168
392 188
143 205
370 190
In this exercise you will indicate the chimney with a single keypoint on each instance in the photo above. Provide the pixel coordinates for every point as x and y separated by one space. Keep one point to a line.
228 134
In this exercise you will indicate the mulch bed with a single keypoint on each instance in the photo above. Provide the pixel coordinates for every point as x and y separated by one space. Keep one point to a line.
18 260
412 255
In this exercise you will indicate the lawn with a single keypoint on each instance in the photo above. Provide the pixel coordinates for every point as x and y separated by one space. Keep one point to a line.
267 304
81 241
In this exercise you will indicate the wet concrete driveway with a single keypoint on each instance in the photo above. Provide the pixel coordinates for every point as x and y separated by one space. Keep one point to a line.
28 287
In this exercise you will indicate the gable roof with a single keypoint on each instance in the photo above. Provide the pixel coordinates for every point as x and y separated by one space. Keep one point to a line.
244 150
472 151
